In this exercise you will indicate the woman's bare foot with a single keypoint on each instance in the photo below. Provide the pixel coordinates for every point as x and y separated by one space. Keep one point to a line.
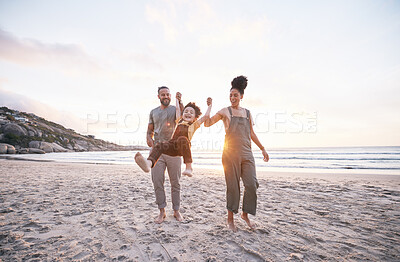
245 217
178 216
160 218
142 162
188 172
231 223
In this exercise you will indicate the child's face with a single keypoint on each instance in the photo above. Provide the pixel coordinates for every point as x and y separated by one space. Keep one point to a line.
189 114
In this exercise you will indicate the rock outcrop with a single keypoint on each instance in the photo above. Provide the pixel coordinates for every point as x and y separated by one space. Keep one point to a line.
25 133
15 129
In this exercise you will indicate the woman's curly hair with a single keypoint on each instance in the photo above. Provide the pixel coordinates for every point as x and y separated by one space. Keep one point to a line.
239 83
197 111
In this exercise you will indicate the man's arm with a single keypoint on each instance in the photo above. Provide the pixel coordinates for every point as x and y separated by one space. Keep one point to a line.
150 135
179 106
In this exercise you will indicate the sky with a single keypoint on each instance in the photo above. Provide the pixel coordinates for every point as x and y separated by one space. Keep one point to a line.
320 73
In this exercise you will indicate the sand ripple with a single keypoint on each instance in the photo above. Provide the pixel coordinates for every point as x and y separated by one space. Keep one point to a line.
52 211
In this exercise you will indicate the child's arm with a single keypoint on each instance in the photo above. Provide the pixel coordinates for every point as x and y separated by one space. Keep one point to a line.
207 115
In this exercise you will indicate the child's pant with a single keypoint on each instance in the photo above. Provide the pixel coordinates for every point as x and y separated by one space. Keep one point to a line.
174 147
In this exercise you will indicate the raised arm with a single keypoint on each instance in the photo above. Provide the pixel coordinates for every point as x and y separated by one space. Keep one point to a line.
258 143
211 121
178 105
207 115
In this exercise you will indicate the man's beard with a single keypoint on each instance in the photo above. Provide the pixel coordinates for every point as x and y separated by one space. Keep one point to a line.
165 101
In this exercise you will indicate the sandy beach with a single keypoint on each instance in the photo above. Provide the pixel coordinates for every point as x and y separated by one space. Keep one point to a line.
64 211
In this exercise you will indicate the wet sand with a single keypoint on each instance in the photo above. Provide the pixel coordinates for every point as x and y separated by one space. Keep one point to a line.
88 212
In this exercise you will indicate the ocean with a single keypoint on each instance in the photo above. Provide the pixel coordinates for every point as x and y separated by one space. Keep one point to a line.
351 160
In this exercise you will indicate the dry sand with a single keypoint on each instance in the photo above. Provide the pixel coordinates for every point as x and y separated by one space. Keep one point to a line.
89 212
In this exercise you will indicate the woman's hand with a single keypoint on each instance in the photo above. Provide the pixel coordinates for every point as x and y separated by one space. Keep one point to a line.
265 154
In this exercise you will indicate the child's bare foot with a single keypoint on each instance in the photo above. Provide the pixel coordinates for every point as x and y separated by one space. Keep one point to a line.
142 162
178 216
188 172
160 218
249 223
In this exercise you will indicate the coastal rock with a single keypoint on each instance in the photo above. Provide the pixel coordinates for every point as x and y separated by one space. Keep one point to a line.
15 129
3 148
58 148
81 145
31 130
36 151
23 151
11 150
34 144
46 147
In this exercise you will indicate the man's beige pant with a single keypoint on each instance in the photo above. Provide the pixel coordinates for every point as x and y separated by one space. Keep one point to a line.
173 166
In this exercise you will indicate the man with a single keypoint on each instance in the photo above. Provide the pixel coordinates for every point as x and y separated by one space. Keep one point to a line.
161 126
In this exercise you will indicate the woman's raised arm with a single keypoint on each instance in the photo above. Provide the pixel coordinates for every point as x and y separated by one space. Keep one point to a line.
211 121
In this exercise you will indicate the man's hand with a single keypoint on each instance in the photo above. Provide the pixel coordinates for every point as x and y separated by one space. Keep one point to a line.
178 96
209 101
149 136
150 142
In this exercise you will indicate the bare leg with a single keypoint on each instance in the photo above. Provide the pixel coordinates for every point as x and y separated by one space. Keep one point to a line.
160 218
231 223
189 170
143 163
178 215
245 217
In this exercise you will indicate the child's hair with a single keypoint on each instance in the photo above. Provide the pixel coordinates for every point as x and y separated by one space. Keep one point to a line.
239 83
197 111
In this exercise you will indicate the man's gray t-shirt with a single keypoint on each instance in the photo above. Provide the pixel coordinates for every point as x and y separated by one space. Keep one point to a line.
164 123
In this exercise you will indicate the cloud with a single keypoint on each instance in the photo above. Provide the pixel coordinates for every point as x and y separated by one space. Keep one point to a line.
71 59
165 17
186 19
30 52
25 104
142 60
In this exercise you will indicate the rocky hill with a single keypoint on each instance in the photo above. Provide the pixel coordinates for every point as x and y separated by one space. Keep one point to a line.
25 133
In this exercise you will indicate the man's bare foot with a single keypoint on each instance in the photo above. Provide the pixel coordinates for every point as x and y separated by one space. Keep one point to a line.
245 217
178 216
160 218
231 226
188 172
142 162
231 223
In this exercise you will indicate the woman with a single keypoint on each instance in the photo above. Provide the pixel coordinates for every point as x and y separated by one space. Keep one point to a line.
237 157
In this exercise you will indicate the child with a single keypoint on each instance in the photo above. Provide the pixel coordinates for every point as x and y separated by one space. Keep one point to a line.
179 144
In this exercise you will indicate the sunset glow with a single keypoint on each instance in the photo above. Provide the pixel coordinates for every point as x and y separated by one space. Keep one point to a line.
321 73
